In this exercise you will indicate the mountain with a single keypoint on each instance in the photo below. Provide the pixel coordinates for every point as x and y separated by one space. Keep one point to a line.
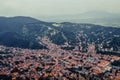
92 17
14 34
27 32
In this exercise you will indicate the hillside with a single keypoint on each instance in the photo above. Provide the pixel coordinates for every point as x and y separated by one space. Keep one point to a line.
26 32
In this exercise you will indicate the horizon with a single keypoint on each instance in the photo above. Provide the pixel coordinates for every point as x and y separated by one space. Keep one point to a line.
41 8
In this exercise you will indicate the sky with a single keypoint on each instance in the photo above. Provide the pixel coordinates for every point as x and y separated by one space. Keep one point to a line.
37 8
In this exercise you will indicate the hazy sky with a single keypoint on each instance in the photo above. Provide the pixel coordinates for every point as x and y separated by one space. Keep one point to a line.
55 7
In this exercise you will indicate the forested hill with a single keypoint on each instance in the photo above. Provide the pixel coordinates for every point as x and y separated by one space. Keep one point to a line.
26 32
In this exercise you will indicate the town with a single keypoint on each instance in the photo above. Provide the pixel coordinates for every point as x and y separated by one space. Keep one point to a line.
55 63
